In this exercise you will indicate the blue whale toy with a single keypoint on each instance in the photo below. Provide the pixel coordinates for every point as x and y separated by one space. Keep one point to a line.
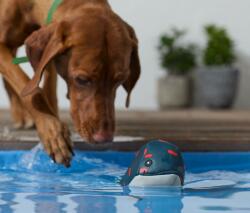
158 163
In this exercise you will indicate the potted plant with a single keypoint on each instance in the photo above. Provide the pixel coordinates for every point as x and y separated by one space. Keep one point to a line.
178 60
216 83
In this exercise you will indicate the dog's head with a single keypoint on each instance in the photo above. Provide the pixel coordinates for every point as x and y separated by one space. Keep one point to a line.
94 56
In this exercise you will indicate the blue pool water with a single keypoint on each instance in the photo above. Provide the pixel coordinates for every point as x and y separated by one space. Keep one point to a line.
30 182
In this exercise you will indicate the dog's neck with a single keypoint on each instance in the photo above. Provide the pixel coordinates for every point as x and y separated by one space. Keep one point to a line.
98 1
40 8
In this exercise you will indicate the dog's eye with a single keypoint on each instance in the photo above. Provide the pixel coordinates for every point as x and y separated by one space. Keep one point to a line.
82 81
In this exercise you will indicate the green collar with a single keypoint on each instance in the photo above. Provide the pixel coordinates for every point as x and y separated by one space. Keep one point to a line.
52 10
54 6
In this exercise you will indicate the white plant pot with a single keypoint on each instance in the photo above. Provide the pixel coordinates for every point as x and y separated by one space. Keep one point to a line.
173 92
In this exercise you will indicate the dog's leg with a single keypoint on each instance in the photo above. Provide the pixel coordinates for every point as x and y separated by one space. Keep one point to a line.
54 135
50 86
20 116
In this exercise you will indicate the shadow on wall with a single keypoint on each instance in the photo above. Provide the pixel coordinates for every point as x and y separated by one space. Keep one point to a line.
243 64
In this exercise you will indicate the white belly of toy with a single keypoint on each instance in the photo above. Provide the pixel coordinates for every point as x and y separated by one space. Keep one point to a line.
156 180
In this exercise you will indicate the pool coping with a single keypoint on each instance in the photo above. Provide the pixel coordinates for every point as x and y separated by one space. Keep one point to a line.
128 146
191 130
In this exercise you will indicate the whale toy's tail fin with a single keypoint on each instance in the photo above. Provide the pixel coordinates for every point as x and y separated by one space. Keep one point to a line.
157 163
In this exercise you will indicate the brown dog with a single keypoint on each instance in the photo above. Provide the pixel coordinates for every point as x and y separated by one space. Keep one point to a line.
89 46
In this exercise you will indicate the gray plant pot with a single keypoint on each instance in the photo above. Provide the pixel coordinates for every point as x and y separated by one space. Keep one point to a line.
216 87
173 92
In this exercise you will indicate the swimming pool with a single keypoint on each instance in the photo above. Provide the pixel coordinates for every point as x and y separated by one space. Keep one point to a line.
30 182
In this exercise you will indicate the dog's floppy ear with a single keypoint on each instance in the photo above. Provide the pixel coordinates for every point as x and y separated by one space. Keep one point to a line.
41 47
135 68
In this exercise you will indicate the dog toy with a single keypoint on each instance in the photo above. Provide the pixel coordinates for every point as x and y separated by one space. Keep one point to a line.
158 163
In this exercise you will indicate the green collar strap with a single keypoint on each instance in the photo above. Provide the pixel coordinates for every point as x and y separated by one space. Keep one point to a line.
54 6
52 10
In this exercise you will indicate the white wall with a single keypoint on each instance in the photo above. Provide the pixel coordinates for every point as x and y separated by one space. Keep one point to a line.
151 18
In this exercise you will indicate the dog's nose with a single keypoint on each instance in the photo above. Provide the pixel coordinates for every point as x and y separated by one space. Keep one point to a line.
103 137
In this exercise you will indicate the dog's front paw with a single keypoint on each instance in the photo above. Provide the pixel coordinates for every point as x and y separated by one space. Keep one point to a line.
56 139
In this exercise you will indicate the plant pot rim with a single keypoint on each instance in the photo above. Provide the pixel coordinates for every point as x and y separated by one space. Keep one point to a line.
174 77
229 68
217 66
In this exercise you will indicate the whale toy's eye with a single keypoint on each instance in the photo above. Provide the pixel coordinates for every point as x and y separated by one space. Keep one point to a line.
148 163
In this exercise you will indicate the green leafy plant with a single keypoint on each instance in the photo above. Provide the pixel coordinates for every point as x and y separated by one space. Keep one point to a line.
220 48
176 58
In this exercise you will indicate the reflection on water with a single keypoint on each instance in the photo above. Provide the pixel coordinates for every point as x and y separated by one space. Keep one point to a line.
33 202
216 201
30 182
